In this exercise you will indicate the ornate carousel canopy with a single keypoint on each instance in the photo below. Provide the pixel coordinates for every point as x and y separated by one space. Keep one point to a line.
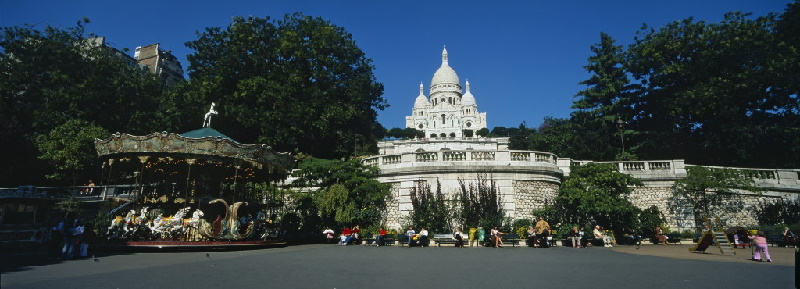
205 143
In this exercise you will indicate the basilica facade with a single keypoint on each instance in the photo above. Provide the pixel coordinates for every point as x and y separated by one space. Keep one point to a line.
446 112
453 157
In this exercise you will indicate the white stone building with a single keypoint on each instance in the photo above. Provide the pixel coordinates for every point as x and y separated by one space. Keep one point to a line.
528 180
447 112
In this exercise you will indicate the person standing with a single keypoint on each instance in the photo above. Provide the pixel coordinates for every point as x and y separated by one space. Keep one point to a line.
56 239
575 237
542 231
761 247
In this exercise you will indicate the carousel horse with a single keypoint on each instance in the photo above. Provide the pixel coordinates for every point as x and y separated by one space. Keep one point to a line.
227 226
143 214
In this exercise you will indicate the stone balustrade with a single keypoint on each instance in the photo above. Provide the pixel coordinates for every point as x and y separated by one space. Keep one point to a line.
507 157
677 168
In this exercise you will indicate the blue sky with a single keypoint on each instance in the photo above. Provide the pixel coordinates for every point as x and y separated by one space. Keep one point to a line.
524 59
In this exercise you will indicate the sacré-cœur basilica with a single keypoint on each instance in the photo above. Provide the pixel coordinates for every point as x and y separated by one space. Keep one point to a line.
452 152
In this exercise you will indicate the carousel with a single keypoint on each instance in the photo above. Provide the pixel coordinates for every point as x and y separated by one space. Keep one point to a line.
196 189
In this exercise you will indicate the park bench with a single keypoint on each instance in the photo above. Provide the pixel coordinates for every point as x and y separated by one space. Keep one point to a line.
402 240
674 238
440 239
775 240
508 239
367 239
387 240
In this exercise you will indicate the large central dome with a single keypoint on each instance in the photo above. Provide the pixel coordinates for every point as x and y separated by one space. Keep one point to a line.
445 75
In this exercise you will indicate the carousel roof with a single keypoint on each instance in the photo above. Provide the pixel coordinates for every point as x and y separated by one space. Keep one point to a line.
206 132
204 143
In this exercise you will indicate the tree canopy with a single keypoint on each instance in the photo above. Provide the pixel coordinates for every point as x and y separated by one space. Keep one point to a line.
55 80
347 193
721 93
297 84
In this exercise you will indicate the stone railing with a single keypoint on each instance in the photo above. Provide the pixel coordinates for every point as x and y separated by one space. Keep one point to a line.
657 169
393 159
483 156
506 157
677 168
426 157
768 177
657 165
454 156
646 166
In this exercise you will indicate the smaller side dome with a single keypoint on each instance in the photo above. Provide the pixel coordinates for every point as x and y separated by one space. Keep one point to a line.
422 100
468 98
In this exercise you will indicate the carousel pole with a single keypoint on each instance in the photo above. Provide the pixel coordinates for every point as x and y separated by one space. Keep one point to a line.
235 176
110 170
188 180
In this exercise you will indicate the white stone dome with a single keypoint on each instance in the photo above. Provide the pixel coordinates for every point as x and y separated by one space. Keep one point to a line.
468 98
422 100
445 74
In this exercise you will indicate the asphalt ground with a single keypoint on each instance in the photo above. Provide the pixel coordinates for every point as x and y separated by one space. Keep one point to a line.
332 266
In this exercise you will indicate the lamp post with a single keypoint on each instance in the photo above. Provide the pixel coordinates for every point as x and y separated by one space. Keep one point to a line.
620 126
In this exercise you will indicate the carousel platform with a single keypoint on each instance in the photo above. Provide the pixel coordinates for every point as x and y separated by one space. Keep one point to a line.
190 245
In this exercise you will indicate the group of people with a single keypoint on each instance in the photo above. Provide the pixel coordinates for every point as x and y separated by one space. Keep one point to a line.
539 234
420 238
346 237
68 239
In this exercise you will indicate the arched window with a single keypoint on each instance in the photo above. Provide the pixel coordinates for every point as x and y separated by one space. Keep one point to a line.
442 135
442 118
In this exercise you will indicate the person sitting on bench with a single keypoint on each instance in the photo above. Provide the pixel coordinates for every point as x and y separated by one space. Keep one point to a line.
496 236
459 236
599 234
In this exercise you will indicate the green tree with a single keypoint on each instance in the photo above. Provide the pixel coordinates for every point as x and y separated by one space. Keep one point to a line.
299 83
608 84
704 187
396 133
411 133
51 76
597 193
431 209
716 93
348 191
70 148
601 105
479 204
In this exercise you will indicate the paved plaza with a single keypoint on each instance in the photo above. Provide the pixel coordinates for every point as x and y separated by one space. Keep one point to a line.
331 266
